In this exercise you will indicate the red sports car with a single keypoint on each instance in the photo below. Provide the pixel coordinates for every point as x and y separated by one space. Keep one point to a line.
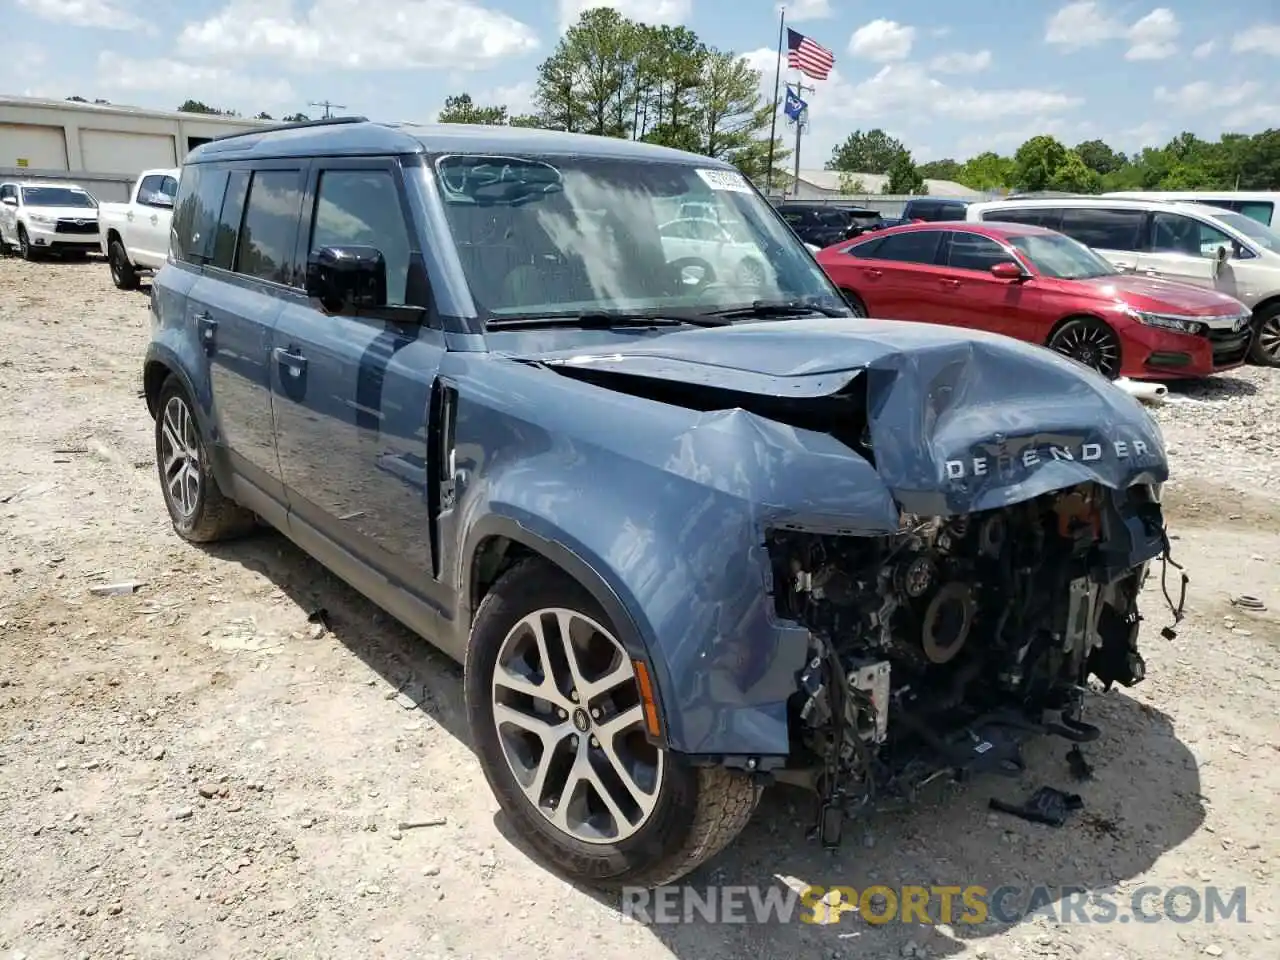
1041 286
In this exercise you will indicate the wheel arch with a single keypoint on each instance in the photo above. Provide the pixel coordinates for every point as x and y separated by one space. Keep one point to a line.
1270 303
496 542
114 234
1093 317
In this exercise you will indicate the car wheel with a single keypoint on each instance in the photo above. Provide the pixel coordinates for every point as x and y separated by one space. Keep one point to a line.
122 273
200 511
1090 342
557 722
24 244
1266 340
855 303
752 273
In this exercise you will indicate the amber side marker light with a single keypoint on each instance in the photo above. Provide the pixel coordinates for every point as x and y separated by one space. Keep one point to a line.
646 698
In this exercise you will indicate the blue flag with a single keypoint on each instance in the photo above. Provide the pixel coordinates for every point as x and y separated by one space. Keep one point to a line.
794 106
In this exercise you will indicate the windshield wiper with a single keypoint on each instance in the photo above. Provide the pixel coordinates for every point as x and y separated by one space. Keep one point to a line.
779 308
608 320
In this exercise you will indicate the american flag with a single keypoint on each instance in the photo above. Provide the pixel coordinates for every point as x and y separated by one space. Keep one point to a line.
810 58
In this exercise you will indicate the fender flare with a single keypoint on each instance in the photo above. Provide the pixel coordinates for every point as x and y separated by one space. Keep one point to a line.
162 355
539 537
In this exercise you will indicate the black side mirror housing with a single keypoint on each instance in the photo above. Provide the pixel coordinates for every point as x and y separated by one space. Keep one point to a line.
347 279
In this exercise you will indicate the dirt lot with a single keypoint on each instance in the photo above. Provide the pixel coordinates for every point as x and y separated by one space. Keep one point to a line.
195 770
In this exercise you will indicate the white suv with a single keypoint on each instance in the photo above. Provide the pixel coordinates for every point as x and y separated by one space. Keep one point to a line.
1190 242
40 217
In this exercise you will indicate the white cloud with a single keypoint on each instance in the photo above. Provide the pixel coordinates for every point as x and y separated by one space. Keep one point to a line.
1260 38
359 34
1007 139
962 62
881 41
224 87
1086 23
102 14
673 12
1201 96
1153 36
800 10
1205 49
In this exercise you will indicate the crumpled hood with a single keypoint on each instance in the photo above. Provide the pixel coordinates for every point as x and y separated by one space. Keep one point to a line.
958 420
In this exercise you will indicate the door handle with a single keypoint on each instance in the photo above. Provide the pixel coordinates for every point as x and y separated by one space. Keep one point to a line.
154 218
296 362
953 284
208 328
129 215
873 273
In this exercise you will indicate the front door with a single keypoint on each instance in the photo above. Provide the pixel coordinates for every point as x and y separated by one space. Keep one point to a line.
1186 249
973 297
150 227
352 395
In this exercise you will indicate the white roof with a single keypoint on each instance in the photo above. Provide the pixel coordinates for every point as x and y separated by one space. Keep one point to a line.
875 183
118 109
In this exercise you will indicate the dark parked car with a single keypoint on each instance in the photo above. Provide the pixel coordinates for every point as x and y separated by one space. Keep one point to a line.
689 534
823 224
933 209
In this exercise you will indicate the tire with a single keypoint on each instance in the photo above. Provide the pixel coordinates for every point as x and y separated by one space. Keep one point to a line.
855 302
25 249
1265 349
694 812
200 511
1090 342
122 273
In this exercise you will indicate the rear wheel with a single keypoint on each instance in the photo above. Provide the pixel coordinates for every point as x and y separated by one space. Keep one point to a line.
1266 341
1090 342
122 273
558 726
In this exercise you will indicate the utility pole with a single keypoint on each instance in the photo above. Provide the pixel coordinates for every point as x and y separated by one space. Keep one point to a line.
801 122
328 107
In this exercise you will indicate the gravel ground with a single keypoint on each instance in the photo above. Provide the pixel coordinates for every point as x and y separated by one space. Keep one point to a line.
196 770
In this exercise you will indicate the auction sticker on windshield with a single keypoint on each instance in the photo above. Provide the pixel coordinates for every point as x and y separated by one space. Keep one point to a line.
725 180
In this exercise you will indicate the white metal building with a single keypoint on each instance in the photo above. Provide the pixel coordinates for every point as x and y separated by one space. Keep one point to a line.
101 146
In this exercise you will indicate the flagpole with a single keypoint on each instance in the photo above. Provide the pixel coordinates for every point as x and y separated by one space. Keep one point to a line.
777 79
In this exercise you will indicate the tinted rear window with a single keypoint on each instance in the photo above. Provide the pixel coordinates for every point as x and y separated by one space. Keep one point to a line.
1105 228
195 216
270 227
918 246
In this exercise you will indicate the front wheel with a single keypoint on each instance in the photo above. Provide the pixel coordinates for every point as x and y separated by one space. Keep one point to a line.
122 273
1266 341
1090 342
25 249
558 726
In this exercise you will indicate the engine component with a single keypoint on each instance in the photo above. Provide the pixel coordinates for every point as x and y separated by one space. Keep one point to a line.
947 621
872 679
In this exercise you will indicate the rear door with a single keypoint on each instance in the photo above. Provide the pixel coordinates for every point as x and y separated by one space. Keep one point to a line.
1117 233
899 281
352 394
972 296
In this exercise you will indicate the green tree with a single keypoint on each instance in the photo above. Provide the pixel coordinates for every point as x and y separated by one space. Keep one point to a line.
1099 157
940 169
904 178
296 118
198 106
871 152
1073 175
264 116
730 114
462 109
986 171
851 183
1035 162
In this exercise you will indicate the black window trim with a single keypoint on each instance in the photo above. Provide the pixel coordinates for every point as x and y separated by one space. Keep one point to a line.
943 256
937 252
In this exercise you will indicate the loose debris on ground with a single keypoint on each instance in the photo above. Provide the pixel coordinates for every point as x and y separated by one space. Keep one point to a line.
225 752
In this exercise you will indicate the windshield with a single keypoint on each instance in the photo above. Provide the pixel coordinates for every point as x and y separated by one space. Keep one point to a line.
1062 258
57 197
560 236
1259 233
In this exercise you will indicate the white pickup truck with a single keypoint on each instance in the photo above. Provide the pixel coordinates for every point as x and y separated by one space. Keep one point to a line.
135 236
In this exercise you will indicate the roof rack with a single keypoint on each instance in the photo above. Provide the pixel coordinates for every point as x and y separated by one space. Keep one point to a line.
300 125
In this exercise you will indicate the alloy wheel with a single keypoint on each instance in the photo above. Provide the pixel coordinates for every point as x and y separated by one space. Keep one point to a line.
114 261
1269 337
180 456
1093 346
571 726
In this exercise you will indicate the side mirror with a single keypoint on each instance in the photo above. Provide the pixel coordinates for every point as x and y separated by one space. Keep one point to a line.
10 201
344 279
1008 270
1220 257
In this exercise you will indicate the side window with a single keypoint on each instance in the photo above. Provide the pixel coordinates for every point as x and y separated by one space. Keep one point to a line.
195 214
169 187
1105 228
866 250
1027 215
1174 233
1259 210
228 228
969 251
8 191
266 246
362 207
677 230
918 246
149 188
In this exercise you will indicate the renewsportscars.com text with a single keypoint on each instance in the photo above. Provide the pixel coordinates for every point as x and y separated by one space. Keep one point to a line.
963 905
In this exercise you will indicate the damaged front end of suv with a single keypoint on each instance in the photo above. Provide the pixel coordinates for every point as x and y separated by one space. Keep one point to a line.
957 578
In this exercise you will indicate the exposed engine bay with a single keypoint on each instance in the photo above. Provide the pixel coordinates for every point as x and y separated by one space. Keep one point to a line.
939 649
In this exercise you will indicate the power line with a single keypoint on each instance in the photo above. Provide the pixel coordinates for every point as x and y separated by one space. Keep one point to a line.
328 107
